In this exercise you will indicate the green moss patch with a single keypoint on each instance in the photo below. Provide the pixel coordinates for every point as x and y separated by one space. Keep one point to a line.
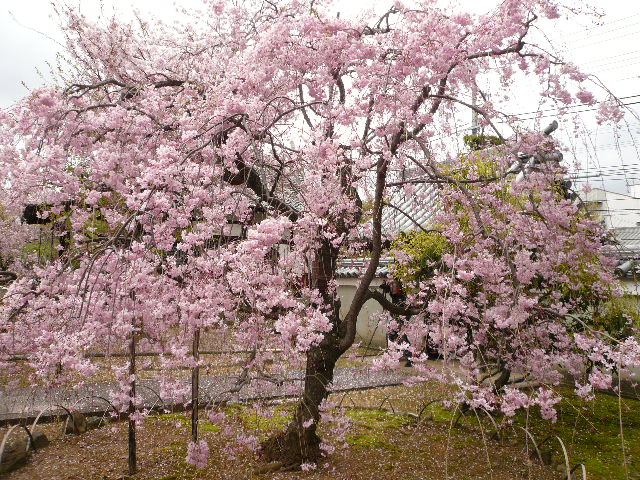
594 433
378 419
370 428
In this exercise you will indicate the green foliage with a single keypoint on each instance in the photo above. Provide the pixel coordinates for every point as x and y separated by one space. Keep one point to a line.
618 317
473 165
578 289
44 250
478 142
367 211
424 251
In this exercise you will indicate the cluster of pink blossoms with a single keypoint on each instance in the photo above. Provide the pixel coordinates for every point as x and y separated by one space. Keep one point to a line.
208 176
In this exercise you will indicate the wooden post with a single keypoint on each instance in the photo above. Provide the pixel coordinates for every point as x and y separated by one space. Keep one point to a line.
132 408
195 385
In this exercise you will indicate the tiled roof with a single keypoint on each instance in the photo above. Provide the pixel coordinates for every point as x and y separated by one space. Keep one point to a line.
627 251
405 211
355 267
628 239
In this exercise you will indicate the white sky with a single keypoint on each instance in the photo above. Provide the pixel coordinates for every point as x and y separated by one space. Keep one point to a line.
28 33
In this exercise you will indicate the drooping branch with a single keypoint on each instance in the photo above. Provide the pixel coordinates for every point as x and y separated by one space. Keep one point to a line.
304 110
388 305
442 84
514 48
379 27
340 84
476 109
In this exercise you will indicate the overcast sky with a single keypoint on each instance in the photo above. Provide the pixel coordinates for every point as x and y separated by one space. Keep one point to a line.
29 35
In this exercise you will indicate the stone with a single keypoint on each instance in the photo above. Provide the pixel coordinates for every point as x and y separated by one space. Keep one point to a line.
14 455
77 424
40 440
96 422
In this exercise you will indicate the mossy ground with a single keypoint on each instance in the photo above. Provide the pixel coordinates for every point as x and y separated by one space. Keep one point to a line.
380 443
371 427
603 434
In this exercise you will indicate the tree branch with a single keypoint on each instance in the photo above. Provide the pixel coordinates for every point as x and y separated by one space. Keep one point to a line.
359 297
248 176
388 305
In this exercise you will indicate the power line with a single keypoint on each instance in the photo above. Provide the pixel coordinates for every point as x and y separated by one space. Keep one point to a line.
595 27
599 64
606 40
579 111
603 171
629 143
616 68
572 106
633 52
605 32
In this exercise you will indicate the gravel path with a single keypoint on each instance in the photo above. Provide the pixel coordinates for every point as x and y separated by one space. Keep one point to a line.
27 403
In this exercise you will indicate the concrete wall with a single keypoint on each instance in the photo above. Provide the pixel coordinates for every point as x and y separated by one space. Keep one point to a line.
367 330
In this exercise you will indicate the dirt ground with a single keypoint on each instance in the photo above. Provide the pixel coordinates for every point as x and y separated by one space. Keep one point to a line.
380 445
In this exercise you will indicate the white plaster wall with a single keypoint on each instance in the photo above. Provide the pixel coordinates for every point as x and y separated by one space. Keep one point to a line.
624 211
616 209
367 330
631 287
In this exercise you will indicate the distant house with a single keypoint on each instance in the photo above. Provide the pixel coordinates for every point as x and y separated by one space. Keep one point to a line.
614 210
627 252
620 215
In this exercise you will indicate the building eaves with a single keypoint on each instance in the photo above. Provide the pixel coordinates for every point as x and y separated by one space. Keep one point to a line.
355 267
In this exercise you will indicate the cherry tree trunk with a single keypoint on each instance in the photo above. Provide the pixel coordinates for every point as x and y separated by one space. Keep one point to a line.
299 443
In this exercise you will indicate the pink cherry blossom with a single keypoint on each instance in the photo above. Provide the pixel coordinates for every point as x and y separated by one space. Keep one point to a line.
210 176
